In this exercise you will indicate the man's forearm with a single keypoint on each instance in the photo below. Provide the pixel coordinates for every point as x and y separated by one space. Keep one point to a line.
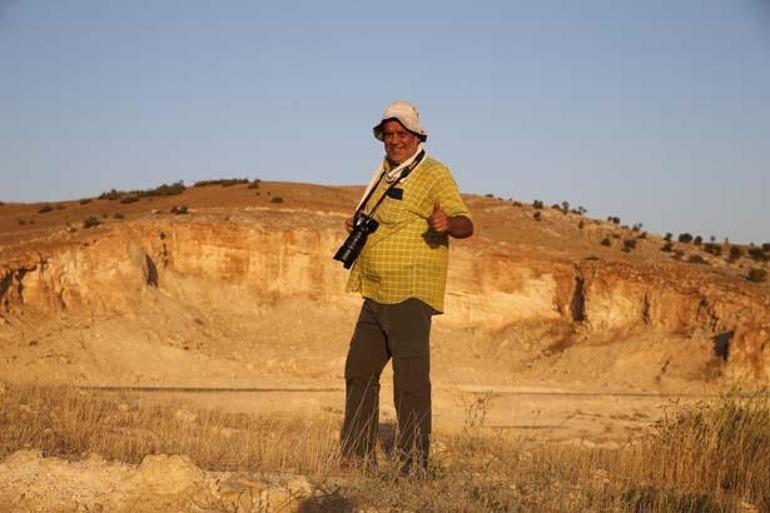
460 227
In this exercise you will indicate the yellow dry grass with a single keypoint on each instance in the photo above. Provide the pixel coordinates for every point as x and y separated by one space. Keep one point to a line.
709 458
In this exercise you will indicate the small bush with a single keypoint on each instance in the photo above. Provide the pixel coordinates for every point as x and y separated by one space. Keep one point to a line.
537 204
696 259
254 184
537 216
166 190
758 254
581 224
178 210
44 209
667 247
735 253
668 237
642 235
118 215
757 275
766 247
685 238
276 199
629 245
85 201
613 219
606 242
21 222
698 240
714 249
112 195
637 227
224 182
516 203
90 222
489 195
129 199
61 206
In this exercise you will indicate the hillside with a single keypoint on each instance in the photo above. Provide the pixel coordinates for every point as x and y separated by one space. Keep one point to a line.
240 292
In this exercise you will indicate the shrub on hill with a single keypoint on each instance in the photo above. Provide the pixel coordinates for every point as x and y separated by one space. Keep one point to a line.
224 182
714 249
90 222
537 216
757 275
668 237
44 209
667 247
276 199
178 210
85 201
685 238
613 219
628 245
758 254
129 199
766 247
696 259
118 215
606 242
162 190
537 204
735 253
698 240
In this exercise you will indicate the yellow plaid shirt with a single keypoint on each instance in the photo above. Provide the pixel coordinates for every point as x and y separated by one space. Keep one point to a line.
404 258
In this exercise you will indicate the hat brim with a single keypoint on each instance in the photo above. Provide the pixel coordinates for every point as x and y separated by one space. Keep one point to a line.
379 131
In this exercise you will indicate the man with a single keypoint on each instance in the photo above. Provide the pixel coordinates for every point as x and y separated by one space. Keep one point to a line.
401 274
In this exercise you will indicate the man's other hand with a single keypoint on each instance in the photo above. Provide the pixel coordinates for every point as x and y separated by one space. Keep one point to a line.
438 220
458 227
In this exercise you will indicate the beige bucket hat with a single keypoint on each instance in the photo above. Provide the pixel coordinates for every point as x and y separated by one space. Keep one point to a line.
407 115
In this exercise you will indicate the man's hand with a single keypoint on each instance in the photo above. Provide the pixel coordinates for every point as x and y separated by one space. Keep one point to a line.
349 224
438 220
458 227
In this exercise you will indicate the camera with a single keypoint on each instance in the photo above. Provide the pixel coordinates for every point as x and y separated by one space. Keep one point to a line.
363 225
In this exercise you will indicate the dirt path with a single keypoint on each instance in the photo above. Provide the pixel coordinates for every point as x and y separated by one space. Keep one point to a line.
585 417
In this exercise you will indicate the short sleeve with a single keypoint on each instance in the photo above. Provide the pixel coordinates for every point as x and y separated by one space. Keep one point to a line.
446 191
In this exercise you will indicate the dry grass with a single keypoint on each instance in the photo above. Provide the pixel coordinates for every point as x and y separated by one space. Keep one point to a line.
710 458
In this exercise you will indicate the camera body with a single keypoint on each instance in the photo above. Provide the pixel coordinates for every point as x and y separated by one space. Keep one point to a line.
363 225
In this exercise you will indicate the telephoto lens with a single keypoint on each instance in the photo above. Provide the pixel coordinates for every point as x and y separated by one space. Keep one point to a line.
363 225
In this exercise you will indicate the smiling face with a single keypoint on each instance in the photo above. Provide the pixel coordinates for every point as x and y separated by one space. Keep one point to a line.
400 143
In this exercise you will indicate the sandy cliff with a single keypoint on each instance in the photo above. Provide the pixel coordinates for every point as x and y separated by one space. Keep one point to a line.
207 284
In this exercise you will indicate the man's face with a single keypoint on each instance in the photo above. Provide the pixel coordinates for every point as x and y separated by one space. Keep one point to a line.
400 143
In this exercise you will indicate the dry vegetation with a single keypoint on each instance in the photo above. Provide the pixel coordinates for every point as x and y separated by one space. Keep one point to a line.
713 457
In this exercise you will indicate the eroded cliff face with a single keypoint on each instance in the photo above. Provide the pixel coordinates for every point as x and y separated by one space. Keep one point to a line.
206 260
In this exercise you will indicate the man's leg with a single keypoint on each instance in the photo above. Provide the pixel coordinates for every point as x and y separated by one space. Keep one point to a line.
407 325
367 356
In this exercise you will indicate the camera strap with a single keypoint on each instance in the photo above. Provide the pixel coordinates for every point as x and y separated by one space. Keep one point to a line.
406 172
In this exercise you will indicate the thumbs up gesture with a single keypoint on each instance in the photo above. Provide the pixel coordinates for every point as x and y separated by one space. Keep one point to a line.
438 220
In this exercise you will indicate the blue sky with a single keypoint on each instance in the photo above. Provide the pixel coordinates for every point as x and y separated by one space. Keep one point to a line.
656 111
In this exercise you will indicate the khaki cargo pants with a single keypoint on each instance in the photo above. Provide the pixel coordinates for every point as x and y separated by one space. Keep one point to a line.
402 332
